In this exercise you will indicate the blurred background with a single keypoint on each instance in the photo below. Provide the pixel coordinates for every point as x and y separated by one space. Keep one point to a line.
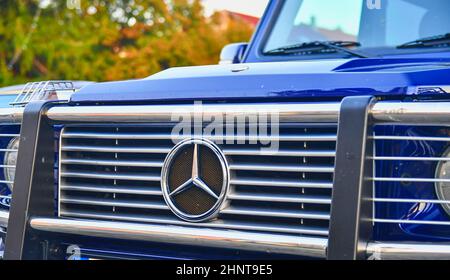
101 40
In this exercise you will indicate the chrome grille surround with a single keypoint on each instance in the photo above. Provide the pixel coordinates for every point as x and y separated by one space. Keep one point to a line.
124 179
288 193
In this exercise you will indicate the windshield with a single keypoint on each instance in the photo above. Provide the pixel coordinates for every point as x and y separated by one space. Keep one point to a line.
372 23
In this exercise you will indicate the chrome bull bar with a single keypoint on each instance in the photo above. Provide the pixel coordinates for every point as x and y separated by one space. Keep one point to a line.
417 113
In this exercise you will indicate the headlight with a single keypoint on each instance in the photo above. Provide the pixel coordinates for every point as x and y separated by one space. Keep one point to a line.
10 161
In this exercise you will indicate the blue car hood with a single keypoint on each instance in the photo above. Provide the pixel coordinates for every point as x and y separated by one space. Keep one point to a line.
278 80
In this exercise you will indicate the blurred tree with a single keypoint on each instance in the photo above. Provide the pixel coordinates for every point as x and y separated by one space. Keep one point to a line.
108 40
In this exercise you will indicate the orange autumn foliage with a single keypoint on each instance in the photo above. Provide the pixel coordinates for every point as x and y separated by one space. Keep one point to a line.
109 40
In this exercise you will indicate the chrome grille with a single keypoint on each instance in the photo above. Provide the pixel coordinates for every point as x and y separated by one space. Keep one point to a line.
113 173
406 158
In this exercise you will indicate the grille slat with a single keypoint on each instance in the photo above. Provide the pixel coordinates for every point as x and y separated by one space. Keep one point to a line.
411 158
9 150
114 162
412 222
412 138
295 229
282 168
297 214
112 189
280 198
98 175
100 149
279 153
401 200
6 182
406 179
282 183
112 203
113 172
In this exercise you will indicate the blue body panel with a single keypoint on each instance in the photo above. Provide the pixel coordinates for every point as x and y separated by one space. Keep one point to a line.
317 79
5 100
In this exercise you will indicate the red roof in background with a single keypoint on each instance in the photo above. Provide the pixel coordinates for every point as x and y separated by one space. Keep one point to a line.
247 18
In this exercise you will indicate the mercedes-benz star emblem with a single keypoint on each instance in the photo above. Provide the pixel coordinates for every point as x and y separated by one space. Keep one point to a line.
194 180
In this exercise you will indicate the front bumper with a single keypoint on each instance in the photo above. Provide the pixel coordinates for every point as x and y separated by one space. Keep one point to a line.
182 235
305 247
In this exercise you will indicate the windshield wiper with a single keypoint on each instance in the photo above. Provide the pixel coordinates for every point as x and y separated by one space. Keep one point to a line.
317 46
427 42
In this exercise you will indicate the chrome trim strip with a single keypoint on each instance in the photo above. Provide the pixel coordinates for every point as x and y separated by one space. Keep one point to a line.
279 198
423 113
412 180
402 200
105 175
129 163
411 222
280 183
99 149
408 251
225 138
292 112
112 189
279 153
9 150
4 217
60 181
411 138
11 115
112 203
411 158
295 214
6 182
281 168
270 243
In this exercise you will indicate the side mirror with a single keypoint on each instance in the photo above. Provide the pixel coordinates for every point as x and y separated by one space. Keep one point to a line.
233 53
